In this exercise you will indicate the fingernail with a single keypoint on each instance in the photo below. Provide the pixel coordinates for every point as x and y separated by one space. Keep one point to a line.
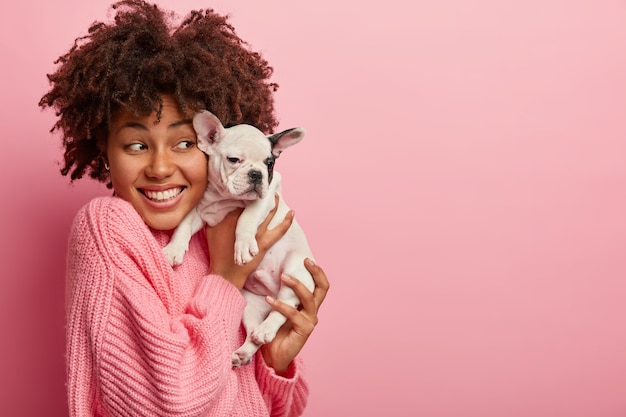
310 261
270 299
286 278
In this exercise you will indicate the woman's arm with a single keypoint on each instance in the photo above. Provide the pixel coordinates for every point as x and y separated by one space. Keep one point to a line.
279 371
133 348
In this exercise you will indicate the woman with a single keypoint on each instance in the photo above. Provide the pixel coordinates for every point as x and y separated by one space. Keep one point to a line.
143 338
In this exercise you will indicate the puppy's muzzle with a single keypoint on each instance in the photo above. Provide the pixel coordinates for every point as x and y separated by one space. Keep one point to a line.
255 177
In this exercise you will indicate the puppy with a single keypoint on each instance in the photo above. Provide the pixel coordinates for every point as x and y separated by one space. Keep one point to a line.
241 174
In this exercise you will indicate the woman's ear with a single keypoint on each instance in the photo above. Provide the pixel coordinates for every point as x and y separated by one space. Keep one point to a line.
101 141
105 161
102 148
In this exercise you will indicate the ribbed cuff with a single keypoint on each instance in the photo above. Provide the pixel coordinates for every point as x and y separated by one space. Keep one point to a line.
287 394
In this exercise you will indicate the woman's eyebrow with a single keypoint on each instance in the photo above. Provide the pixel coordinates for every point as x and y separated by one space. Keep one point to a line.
141 126
134 125
180 123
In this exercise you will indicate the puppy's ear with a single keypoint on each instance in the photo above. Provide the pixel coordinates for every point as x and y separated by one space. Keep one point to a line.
209 130
283 140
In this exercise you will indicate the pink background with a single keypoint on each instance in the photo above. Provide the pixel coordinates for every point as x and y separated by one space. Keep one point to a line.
463 182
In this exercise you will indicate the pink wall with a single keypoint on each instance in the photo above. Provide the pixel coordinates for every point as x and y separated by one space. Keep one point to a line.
463 182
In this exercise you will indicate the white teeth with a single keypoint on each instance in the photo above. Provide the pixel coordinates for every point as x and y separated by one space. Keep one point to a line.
163 195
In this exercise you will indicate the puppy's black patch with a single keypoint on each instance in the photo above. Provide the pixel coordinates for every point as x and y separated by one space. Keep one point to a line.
269 163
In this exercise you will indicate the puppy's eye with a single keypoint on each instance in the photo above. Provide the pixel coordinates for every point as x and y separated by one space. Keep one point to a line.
269 163
232 159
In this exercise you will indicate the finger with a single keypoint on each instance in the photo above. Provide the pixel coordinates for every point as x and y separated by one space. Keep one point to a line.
270 216
282 227
307 300
300 324
271 236
321 281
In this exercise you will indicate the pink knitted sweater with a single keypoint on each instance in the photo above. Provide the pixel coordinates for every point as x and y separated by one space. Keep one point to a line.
145 339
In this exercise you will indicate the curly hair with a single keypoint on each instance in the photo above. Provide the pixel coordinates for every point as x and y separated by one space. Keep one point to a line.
146 52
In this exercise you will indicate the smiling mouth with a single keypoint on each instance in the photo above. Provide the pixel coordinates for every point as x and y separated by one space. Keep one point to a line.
162 196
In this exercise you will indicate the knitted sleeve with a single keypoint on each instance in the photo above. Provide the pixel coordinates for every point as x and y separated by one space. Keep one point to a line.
132 348
286 396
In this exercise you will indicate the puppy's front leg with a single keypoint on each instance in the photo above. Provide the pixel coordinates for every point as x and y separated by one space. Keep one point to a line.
253 215
175 250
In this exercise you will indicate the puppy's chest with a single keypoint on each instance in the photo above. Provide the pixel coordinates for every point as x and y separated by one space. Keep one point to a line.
213 208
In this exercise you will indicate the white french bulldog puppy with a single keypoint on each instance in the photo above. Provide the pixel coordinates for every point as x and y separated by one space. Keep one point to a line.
241 162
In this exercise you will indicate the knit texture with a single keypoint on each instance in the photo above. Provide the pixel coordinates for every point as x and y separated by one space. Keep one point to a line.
145 339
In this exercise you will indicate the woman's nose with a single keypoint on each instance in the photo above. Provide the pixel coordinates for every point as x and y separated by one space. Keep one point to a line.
161 165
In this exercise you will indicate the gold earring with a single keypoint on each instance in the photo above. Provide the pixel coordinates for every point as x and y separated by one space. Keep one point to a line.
105 162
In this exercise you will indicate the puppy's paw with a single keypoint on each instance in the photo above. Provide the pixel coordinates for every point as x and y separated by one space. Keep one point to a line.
246 249
237 360
263 334
241 357
174 253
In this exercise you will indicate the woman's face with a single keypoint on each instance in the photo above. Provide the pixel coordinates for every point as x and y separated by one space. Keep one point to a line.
157 167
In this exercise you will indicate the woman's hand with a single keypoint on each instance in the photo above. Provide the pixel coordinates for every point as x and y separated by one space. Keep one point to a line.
281 351
221 242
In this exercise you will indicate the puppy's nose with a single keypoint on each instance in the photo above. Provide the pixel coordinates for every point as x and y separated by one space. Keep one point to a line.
255 176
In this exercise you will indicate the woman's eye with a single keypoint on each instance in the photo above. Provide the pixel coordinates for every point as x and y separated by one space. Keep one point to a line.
136 147
232 159
186 144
